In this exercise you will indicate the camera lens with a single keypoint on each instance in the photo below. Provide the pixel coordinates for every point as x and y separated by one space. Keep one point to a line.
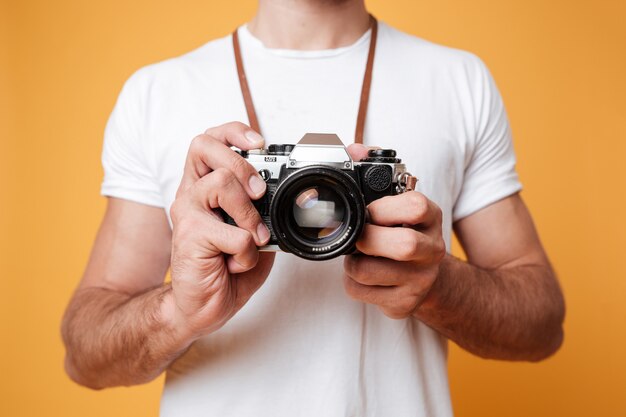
318 213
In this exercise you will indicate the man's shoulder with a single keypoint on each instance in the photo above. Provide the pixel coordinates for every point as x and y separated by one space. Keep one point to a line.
211 57
414 51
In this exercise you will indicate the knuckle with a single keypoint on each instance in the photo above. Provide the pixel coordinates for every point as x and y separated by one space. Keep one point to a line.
197 144
249 213
440 249
418 201
238 164
351 288
353 266
211 130
438 213
408 245
236 125
251 262
418 205
245 240
222 178
359 268
233 126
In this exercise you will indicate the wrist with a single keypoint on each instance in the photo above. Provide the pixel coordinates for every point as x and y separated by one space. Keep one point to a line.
432 300
174 325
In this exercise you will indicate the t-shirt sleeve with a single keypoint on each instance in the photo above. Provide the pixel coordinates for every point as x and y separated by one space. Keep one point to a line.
126 154
490 173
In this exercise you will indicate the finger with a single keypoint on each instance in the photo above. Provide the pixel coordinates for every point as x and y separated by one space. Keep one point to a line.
411 208
358 151
396 302
229 134
249 282
237 134
398 243
370 270
207 154
221 189
234 241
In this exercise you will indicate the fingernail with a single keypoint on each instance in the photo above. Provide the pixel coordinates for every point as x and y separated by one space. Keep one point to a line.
254 138
263 232
257 185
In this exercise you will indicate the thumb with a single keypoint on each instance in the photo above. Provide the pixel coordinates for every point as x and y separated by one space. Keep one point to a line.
358 151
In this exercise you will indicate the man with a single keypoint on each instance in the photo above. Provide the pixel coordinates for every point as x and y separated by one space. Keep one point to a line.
362 335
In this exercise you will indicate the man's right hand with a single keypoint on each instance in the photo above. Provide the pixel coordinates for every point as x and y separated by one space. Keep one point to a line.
122 325
216 267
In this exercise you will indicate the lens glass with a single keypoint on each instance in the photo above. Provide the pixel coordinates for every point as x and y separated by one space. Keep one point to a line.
318 212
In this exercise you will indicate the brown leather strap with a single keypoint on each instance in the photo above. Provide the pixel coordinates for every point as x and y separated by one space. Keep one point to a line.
243 82
365 89
367 82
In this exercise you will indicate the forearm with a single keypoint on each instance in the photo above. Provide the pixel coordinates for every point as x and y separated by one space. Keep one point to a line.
114 339
511 313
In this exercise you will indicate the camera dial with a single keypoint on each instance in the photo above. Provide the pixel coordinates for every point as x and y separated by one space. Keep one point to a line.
382 155
280 149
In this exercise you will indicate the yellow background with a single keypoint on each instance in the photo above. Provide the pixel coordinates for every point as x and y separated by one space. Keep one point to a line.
559 64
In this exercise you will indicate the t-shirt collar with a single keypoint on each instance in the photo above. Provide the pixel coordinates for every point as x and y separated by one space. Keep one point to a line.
256 43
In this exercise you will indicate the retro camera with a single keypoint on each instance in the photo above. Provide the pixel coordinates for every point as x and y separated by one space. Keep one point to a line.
316 198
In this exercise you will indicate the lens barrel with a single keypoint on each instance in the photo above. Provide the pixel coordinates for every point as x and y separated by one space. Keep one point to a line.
318 213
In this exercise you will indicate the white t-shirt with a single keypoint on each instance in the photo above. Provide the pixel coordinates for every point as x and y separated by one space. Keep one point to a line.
301 347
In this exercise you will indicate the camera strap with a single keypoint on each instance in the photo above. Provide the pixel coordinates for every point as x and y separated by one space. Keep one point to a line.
365 89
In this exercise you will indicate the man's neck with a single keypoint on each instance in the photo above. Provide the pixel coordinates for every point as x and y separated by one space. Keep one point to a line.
309 24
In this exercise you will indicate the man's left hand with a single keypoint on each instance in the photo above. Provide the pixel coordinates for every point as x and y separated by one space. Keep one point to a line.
401 249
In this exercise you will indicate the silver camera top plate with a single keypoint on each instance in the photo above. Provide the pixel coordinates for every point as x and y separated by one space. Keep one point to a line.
320 148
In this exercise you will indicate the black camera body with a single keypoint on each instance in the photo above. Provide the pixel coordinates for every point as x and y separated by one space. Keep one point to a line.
316 198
